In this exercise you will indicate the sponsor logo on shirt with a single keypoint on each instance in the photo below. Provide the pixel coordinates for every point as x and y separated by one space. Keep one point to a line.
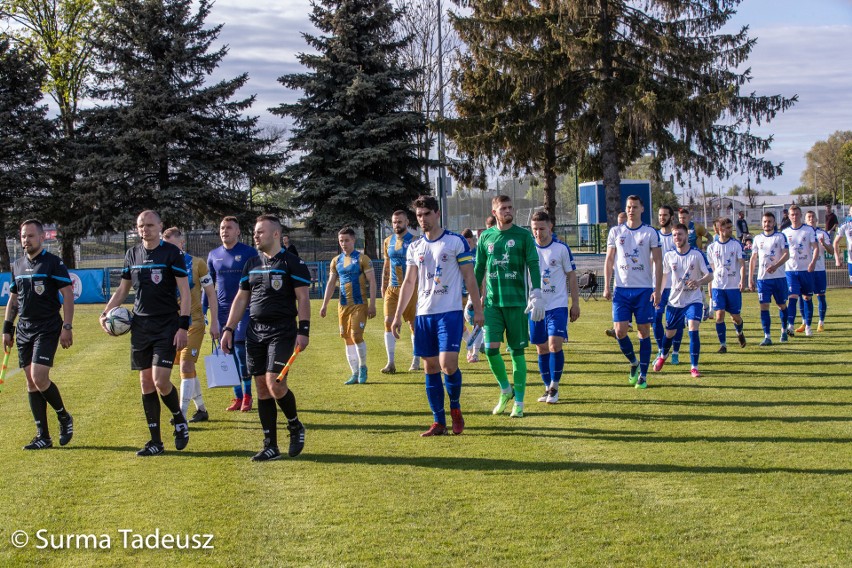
510 243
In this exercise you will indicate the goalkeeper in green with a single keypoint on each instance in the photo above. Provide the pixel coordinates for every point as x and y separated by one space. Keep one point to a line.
507 259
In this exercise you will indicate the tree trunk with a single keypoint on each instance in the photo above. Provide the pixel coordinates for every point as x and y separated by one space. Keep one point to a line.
550 173
370 245
66 243
5 261
609 152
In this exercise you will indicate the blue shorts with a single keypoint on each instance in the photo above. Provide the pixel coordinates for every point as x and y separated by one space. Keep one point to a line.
554 324
242 362
849 266
730 301
675 317
438 333
819 282
772 288
800 283
660 310
629 302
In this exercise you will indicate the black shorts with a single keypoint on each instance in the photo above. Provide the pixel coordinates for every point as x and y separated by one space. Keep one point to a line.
269 346
37 342
152 341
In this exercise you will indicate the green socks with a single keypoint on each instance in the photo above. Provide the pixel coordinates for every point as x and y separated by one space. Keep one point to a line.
519 374
498 366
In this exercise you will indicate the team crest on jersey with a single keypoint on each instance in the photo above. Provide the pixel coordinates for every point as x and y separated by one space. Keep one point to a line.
490 248
511 243
38 288
156 276
421 258
621 240
277 282
552 262
444 258
238 257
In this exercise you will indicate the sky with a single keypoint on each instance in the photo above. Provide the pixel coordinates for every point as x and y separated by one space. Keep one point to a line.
803 48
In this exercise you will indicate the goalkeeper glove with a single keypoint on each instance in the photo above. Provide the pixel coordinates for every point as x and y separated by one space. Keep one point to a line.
535 307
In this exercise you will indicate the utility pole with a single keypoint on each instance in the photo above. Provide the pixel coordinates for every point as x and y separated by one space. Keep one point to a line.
442 174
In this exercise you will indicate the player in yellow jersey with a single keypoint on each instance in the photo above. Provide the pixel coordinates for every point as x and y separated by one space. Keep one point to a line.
199 279
355 272
395 248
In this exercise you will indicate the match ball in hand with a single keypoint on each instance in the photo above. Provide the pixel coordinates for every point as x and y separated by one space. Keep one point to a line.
118 320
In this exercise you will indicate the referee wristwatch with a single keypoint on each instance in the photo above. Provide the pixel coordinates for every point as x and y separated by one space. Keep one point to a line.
67 326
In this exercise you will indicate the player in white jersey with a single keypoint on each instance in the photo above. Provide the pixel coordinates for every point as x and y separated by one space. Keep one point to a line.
632 250
804 252
436 265
558 274
819 275
844 231
688 269
665 216
769 253
726 258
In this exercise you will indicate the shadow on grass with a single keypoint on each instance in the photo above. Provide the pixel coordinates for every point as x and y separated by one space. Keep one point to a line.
716 386
707 417
486 464
711 403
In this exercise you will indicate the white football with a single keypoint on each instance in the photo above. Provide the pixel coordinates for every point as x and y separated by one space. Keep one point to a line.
118 320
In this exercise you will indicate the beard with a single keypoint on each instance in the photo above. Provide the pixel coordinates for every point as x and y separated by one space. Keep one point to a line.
400 230
506 219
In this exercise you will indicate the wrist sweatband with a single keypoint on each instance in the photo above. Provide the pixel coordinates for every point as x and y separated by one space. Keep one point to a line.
183 322
304 328
8 327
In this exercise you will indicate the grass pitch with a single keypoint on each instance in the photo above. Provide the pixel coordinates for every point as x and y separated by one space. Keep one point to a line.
750 465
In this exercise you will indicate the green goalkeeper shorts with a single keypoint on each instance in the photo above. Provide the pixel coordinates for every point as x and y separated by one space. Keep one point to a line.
511 321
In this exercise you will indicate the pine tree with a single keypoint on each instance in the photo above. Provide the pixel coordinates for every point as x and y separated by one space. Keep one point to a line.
655 76
515 93
26 141
356 142
167 140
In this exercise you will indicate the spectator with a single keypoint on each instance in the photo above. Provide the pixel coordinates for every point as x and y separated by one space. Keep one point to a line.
742 225
785 222
830 221
285 244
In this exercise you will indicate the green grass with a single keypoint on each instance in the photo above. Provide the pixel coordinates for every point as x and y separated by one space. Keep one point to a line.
750 465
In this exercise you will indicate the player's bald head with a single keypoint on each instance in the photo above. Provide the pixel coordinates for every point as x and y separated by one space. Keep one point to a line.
150 213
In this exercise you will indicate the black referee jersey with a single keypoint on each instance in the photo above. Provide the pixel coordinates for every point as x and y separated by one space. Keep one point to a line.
153 273
272 283
37 283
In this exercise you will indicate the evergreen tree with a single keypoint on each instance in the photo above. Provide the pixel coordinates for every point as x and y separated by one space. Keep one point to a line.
25 141
166 140
515 94
655 75
356 142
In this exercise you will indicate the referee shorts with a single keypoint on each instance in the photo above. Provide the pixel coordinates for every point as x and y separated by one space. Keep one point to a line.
37 342
152 341
268 346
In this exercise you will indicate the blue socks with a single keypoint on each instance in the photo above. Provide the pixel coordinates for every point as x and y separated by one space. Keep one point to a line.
739 328
808 310
238 391
823 307
544 368
557 365
782 313
791 311
694 348
644 356
676 340
766 322
667 345
247 387
435 396
721 331
659 330
453 383
627 348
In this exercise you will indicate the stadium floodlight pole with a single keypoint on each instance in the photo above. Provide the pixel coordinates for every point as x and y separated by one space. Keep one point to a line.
442 191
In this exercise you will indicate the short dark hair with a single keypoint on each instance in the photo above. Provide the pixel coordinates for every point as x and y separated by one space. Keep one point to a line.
171 232
684 210
635 198
724 221
769 214
669 209
490 221
230 219
467 233
682 227
401 213
540 216
346 231
35 222
426 202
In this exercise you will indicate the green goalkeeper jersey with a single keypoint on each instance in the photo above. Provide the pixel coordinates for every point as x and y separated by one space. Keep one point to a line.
506 259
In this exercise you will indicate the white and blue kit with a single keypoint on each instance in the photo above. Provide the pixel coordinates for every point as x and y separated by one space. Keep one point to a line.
439 322
801 242
556 262
820 281
769 249
846 230
685 304
725 258
634 283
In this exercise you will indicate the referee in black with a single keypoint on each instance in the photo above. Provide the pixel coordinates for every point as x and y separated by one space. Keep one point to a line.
38 278
157 271
275 286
